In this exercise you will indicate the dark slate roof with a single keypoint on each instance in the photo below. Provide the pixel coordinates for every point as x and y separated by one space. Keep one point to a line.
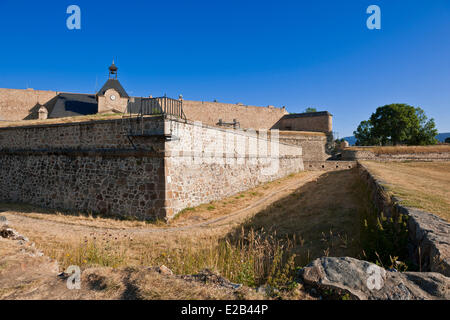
113 84
72 104
78 104
307 114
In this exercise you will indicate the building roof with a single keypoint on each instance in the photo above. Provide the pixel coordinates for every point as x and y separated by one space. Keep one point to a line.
307 114
71 104
78 104
113 84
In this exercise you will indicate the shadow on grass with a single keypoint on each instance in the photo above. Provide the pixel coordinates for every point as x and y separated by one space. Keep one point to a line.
320 218
29 208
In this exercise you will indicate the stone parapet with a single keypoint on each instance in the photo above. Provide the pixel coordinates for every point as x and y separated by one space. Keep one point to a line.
429 235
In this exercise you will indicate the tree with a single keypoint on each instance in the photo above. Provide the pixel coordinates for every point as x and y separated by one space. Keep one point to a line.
426 133
447 140
363 134
310 110
396 124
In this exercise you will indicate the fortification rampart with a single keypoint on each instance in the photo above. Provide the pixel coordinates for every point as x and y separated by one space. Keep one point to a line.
311 121
367 154
428 244
93 134
205 163
312 143
248 116
19 104
92 166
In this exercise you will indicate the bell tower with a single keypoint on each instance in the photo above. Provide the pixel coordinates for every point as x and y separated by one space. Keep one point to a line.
112 97
113 71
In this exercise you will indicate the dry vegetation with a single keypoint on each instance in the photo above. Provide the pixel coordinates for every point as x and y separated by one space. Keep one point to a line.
258 237
404 149
23 275
423 185
92 117
302 133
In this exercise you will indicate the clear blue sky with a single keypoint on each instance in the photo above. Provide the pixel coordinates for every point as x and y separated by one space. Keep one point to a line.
294 53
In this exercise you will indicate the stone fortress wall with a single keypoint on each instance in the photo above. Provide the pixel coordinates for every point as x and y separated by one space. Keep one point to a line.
19 104
312 121
16 104
206 163
86 166
92 166
353 154
248 116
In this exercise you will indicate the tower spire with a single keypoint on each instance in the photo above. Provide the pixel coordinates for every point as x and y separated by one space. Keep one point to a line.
113 71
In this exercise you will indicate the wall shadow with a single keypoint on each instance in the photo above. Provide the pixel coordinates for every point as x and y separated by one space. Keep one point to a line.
322 217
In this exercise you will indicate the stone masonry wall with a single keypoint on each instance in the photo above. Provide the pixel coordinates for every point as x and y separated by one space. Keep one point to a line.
351 154
87 166
206 163
312 143
18 104
93 167
94 134
249 116
317 122
124 185
429 245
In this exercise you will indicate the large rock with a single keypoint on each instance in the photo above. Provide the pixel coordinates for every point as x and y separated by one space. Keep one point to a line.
363 280
208 276
430 239
8 233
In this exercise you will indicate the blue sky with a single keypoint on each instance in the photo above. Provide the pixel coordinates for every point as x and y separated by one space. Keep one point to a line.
294 53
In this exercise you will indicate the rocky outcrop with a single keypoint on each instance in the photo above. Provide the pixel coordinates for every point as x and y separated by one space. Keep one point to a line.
8 233
429 240
207 276
362 280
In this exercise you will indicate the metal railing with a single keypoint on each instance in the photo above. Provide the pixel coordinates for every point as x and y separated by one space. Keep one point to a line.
160 106
138 108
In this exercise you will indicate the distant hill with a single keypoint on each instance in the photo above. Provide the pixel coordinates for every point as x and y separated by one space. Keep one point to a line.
351 140
441 137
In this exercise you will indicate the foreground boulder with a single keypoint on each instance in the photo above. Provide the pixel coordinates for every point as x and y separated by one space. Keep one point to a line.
8 233
362 280
208 276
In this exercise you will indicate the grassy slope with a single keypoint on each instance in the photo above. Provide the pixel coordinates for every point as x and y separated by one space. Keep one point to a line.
404 149
320 217
423 185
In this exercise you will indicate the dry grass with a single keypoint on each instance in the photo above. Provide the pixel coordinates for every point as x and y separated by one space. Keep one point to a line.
321 218
93 117
302 133
26 277
423 185
404 149
266 245
231 204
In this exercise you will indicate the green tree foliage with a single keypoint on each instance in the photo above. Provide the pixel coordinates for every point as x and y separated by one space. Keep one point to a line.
364 134
310 110
396 124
